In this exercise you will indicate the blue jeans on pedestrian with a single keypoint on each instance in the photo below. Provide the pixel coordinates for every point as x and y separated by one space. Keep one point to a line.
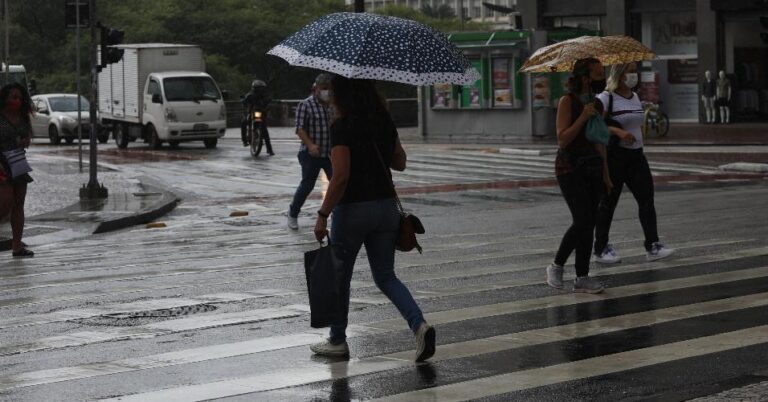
376 225
310 169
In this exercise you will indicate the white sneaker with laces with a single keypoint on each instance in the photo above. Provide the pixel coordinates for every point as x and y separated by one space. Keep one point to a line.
293 223
326 348
658 251
608 256
425 342
555 276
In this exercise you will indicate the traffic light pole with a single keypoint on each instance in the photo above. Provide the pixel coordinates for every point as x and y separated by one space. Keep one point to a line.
93 190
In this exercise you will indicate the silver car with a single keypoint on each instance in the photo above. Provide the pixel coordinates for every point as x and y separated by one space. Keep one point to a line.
55 117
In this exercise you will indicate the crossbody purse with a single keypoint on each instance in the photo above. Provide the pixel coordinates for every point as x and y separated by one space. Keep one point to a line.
410 225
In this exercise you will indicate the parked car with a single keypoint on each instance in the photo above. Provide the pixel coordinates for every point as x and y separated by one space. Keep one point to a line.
55 117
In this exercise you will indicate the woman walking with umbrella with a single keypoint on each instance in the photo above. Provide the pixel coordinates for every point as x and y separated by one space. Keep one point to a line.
582 173
359 47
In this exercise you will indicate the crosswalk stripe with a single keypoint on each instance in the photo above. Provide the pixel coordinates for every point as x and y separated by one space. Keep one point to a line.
321 372
517 381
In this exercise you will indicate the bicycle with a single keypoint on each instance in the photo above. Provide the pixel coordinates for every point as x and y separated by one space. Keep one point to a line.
655 119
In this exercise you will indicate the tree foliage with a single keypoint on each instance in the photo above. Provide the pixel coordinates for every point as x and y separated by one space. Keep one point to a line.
234 34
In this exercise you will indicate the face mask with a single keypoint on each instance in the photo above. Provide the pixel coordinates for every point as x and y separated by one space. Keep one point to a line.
13 105
631 80
325 95
597 86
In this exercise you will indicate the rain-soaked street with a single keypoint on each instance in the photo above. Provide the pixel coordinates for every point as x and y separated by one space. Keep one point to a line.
214 307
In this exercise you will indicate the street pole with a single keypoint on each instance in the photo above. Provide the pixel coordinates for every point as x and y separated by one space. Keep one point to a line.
7 44
77 69
359 6
93 190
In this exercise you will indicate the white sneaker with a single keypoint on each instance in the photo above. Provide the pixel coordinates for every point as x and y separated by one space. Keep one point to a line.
326 348
555 276
425 342
293 223
586 284
658 251
608 256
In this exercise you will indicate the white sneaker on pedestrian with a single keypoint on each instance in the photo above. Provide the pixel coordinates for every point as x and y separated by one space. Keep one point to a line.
425 342
608 256
555 276
293 223
586 284
326 348
658 251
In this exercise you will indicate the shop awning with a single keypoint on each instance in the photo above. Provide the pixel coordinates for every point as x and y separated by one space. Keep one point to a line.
505 39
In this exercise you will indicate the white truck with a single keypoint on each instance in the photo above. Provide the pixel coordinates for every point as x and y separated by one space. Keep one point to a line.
161 93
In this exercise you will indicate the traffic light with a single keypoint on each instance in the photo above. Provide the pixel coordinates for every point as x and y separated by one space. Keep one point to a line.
111 37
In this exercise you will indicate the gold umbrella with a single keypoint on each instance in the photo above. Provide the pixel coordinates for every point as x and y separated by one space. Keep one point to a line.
608 49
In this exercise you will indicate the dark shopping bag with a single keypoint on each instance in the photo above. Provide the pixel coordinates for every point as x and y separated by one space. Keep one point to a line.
324 268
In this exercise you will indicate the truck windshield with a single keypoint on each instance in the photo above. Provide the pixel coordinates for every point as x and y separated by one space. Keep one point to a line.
192 89
68 104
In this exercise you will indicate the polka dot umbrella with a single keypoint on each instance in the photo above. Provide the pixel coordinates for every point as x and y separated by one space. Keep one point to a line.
369 46
608 49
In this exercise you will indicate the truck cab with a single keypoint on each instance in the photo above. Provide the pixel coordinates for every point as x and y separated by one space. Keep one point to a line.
183 106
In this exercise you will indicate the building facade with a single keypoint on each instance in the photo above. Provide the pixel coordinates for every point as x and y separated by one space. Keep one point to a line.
470 9
689 36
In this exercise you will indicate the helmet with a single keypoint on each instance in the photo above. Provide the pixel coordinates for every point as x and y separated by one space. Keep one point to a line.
258 83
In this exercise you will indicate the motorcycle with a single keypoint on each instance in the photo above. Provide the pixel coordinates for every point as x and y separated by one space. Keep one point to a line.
255 131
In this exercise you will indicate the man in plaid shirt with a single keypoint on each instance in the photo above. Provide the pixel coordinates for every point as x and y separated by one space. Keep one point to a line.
313 127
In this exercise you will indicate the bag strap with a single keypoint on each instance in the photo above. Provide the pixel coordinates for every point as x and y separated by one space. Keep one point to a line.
610 103
389 176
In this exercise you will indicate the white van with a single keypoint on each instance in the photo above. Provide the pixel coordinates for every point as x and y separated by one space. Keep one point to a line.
160 93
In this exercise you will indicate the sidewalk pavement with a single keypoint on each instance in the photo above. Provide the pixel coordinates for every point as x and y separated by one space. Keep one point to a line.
54 210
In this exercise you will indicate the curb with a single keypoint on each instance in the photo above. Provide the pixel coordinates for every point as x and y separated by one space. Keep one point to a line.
745 167
165 205
527 152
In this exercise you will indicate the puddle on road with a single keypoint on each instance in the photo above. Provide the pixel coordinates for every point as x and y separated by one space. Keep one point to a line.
429 202
126 156
135 318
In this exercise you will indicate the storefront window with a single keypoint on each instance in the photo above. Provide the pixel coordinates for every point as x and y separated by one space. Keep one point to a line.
442 96
472 96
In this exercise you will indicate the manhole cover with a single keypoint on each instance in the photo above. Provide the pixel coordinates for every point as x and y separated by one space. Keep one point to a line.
247 222
144 317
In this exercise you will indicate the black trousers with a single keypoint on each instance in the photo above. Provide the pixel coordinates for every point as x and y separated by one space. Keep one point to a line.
630 167
582 190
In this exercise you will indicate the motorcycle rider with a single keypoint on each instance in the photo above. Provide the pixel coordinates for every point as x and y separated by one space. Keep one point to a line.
256 100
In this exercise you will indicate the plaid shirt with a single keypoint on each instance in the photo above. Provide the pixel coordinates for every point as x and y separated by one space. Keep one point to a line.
314 118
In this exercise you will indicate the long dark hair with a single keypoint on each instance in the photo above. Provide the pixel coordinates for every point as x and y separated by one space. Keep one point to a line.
26 101
357 98
581 69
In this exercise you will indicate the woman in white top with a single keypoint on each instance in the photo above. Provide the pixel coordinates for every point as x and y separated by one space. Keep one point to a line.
627 165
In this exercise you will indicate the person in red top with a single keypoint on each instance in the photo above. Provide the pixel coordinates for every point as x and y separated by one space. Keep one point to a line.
15 133
582 174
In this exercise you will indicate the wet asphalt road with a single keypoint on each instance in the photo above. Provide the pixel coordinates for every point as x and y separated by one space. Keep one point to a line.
214 307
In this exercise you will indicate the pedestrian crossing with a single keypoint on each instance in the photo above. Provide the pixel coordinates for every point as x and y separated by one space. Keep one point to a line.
210 310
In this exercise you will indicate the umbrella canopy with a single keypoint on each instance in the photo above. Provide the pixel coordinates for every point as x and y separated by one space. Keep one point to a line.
608 49
369 46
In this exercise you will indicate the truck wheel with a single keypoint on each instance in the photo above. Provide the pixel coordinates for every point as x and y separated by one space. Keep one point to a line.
53 134
103 139
174 144
121 136
69 140
210 143
152 139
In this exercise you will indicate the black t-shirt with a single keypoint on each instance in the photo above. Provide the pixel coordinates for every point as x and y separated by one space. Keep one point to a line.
368 179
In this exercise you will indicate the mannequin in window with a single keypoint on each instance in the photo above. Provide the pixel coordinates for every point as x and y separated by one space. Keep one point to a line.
724 97
708 96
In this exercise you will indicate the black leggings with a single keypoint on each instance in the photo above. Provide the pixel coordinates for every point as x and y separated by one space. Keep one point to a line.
582 190
628 166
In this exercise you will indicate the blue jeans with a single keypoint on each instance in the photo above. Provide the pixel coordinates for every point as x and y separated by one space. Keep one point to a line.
374 224
310 169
